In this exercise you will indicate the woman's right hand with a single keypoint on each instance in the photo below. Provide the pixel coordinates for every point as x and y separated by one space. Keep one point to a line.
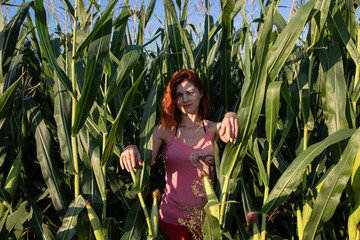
129 157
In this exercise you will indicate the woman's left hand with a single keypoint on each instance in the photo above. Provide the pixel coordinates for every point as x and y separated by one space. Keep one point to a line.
229 127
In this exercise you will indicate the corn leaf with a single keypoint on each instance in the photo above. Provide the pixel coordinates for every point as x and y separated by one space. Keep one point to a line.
211 226
146 138
16 218
217 26
62 116
94 152
105 16
117 186
99 232
11 33
286 41
189 53
260 163
354 216
336 89
272 109
251 102
126 65
134 223
6 98
120 121
69 8
69 223
225 52
97 58
291 178
12 179
173 31
343 32
36 222
45 154
331 190
42 29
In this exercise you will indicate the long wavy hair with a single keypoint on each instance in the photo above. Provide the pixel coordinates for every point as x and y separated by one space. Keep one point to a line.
170 114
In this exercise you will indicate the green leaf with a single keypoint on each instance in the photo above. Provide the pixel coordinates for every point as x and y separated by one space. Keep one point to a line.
12 179
18 217
99 26
336 89
290 116
225 52
45 154
292 177
134 223
260 163
117 186
344 34
253 93
99 232
42 29
173 31
189 54
69 223
97 58
36 222
211 226
146 138
11 33
272 110
331 190
94 152
125 66
286 41
62 116
149 11
354 216
120 121
217 26
69 8
6 99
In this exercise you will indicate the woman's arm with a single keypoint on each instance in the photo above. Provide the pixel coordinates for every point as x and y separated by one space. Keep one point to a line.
131 154
227 129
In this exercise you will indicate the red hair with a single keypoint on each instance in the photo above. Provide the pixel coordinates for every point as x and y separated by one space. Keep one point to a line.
170 114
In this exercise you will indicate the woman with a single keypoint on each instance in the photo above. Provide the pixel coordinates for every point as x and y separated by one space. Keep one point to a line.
186 139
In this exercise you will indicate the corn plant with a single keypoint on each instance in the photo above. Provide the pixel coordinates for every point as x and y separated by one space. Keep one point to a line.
73 99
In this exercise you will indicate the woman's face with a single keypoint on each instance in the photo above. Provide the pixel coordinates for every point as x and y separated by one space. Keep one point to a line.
188 97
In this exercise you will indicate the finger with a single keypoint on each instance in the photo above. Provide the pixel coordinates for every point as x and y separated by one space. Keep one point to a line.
228 129
138 158
126 164
121 162
236 128
232 130
221 129
132 159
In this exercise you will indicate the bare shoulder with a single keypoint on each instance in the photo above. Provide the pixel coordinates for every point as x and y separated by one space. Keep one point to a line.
213 128
162 133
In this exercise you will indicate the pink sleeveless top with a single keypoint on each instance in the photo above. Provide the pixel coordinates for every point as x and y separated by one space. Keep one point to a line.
184 195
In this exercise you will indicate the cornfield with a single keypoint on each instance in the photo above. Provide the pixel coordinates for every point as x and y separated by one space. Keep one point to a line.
72 100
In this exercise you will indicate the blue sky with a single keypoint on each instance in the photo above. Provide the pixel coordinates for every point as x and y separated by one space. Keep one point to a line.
196 12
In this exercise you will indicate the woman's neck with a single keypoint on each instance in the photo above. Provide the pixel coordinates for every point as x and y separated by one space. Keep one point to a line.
190 121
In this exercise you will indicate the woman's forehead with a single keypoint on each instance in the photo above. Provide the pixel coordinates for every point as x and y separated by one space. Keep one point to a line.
185 86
